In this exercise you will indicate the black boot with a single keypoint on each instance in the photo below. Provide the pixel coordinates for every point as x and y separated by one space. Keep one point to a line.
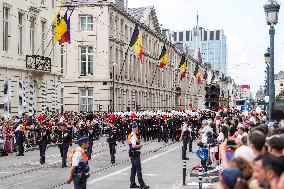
134 185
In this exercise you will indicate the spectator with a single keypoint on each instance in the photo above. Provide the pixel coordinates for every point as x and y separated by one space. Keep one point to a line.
232 178
275 146
256 142
247 171
267 170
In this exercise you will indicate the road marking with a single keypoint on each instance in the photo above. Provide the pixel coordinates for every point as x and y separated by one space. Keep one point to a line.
127 168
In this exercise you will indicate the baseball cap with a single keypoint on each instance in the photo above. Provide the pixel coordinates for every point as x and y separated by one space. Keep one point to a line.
230 176
134 126
83 139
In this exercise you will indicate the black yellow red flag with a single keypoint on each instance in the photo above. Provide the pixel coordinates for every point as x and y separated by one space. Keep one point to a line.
136 43
163 57
183 68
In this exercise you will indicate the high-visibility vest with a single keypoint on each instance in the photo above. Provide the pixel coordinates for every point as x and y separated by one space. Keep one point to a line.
83 154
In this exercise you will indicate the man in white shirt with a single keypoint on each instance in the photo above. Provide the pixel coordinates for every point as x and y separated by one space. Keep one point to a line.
80 169
134 153
206 128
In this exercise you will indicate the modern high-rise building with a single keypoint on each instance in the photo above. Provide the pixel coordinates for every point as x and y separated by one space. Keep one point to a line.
212 45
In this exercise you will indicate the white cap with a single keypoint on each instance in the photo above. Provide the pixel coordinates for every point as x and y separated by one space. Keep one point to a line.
244 152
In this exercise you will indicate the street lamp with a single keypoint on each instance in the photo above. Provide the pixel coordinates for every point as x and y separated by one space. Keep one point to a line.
267 61
271 9
113 75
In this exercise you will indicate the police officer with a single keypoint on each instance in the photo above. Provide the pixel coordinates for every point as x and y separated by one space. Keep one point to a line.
185 138
44 137
114 136
64 140
134 154
79 172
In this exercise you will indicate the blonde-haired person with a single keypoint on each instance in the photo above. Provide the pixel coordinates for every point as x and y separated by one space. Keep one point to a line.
247 171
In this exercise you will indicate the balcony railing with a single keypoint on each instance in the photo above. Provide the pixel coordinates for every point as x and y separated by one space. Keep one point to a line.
38 62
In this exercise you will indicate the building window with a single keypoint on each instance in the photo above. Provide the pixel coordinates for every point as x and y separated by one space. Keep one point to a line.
20 27
32 35
86 100
61 58
205 36
175 36
180 36
86 23
43 25
86 54
187 35
281 84
5 29
218 35
211 35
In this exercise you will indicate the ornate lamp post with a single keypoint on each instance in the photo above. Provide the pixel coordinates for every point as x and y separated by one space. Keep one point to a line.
271 11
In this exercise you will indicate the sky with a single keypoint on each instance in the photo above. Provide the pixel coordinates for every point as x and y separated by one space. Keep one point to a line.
243 21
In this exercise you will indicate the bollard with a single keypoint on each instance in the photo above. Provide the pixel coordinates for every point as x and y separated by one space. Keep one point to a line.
200 178
184 172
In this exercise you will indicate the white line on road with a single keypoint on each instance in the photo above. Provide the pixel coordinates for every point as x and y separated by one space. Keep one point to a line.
127 168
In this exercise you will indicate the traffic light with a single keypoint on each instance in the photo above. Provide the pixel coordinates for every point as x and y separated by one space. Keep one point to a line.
212 96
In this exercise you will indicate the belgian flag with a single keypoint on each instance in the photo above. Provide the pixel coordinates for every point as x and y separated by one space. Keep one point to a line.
163 57
197 74
136 43
183 67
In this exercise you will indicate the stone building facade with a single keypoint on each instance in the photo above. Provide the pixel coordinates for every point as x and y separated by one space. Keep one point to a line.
100 36
26 85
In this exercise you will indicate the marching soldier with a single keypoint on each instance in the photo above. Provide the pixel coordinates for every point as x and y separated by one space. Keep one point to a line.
44 137
113 133
134 154
91 134
79 172
64 140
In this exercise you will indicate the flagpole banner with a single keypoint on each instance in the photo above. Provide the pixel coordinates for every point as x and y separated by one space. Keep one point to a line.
183 68
32 98
136 43
163 57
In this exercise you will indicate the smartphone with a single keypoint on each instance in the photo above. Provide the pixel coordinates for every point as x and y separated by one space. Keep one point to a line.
231 143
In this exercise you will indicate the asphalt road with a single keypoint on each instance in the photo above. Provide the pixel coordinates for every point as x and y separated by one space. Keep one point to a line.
161 167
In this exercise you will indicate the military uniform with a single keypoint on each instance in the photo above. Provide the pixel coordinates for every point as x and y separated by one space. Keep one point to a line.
44 137
114 136
64 140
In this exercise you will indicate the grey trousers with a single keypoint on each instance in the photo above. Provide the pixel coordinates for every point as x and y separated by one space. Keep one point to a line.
136 169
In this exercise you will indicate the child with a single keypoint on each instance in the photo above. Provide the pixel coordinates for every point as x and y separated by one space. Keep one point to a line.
202 154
